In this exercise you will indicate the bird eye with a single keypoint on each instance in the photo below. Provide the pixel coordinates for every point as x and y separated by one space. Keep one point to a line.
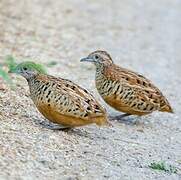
25 69
96 57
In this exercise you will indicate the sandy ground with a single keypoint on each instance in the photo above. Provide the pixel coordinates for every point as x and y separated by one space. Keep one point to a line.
144 36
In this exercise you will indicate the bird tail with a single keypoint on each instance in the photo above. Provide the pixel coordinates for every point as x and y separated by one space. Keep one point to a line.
102 121
167 108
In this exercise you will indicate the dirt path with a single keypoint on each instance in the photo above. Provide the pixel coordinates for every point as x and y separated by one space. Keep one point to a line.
144 36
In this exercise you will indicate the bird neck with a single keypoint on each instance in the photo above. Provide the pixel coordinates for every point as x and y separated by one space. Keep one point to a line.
99 68
31 79
35 84
100 72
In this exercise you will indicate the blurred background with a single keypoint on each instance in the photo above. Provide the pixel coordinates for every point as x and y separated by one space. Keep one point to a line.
144 36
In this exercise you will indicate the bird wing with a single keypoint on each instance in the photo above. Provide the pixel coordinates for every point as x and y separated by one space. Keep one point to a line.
72 100
117 73
142 87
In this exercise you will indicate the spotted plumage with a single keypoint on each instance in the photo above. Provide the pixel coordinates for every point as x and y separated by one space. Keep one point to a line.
126 90
62 101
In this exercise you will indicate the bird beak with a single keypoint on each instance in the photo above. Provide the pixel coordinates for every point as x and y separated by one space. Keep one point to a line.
87 59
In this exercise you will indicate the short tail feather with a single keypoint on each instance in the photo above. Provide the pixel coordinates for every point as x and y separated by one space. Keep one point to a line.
167 108
102 121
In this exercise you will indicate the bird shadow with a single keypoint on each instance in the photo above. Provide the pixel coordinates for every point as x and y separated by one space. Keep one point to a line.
45 124
87 132
127 120
81 132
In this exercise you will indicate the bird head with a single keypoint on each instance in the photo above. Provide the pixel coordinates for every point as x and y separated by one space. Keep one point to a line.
99 58
28 69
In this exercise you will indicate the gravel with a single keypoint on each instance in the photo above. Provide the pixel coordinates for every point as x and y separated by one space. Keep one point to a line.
143 36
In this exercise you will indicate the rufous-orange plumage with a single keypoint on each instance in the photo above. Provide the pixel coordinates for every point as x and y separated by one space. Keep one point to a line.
125 90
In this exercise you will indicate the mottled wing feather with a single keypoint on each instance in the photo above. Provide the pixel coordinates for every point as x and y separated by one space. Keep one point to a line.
144 90
72 100
117 73
88 102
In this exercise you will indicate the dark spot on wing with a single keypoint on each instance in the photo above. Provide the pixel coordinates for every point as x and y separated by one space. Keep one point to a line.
87 101
130 98
85 90
151 108
88 108
127 95
109 89
86 115
45 88
49 92
138 81
155 101
73 87
133 105
117 89
144 83
96 107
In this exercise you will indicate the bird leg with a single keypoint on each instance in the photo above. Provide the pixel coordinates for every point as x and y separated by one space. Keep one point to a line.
59 127
123 115
120 117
